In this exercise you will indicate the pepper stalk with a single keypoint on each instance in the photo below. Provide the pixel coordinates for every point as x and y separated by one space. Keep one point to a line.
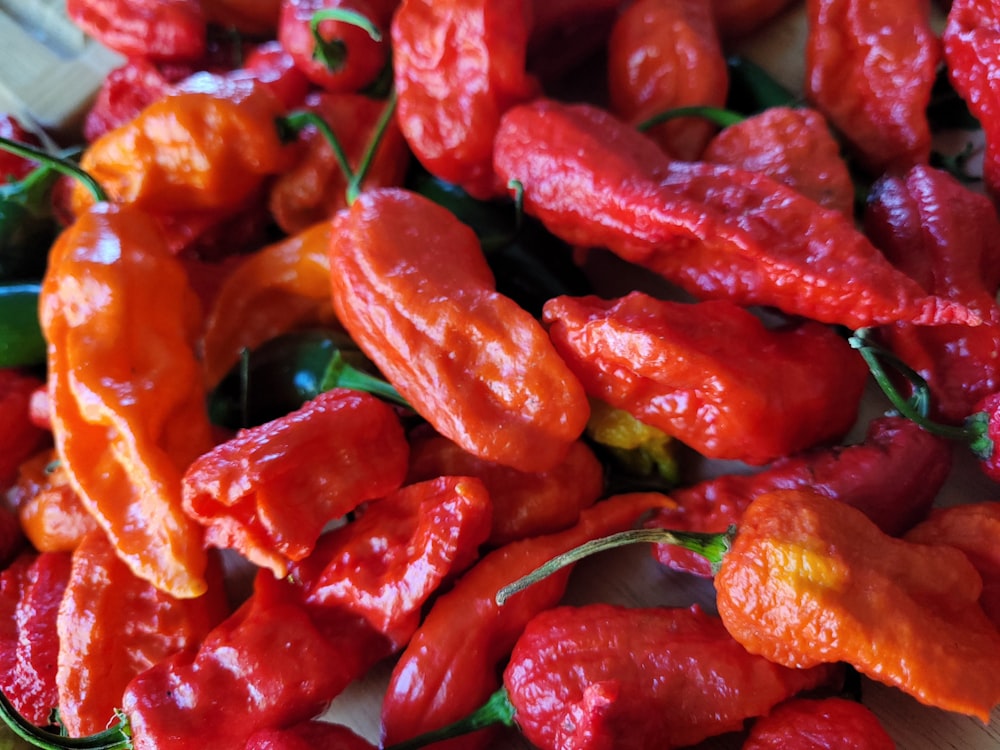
333 52
117 737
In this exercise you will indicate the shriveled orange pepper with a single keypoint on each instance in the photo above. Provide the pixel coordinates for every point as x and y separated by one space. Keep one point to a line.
128 408
281 287
413 288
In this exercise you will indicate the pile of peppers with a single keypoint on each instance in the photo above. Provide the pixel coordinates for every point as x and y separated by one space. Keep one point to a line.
343 329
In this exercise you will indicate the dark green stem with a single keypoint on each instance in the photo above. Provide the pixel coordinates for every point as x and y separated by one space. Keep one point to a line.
118 737
712 546
340 374
333 52
61 165
354 184
294 122
721 117
497 710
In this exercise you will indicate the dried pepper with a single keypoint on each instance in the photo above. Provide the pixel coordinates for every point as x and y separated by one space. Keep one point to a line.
819 724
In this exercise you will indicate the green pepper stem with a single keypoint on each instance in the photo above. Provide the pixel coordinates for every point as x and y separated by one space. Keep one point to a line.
368 157
118 737
711 546
916 407
721 117
340 374
333 52
59 164
497 710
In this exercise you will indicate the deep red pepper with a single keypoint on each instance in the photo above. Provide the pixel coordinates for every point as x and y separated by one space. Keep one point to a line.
819 724
309 735
12 166
711 374
946 236
269 491
713 230
19 436
876 476
124 93
162 30
271 64
870 68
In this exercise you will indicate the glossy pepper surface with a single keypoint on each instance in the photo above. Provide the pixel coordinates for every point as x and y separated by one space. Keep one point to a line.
164 30
269 491
127 405
715 231
703 377
819 724
413 289
309 735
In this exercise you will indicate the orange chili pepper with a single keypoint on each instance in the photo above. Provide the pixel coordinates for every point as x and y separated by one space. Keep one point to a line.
128 408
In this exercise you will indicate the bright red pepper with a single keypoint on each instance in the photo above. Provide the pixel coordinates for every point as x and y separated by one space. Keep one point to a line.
269 491
711 374
819 724
412 287
870 68
713 230
19 436
164 30
124 93
309 735
665 54
876 476
12 166
271 64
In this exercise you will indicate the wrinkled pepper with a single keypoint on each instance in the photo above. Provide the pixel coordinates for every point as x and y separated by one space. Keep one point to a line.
113 625
713 230
524 503
793 145
664 54
457 66
127 405
585 677
124 93
447 671
162 30
49 510
269 491
19 438
870 68
946 236
711 374
875 476
819 724
413 289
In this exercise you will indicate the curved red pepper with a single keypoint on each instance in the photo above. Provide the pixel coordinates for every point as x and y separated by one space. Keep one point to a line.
819 724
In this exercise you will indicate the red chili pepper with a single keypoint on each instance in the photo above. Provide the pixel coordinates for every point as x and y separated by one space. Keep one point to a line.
20 437
947 237
124 93
271 64
12 166
711 374
524 503
793 145
269 491
875 476
31 590
113 625
713 230
447 671
457 66
164 30
870 68
582 678
665 54
819 724
412 287
309 735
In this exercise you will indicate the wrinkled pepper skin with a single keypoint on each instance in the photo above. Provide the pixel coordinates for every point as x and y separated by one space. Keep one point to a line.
711 374
457 66
793 145
31 590
524 503
715 231
124 93
161 30
809 580
972 528
870 68
127 405
946 236
384 566
113 625
445 671
19 436
314 188
875 476
819 724
665 54
205 148
269 491
283 286
587 677
309 735
412 287
49 510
